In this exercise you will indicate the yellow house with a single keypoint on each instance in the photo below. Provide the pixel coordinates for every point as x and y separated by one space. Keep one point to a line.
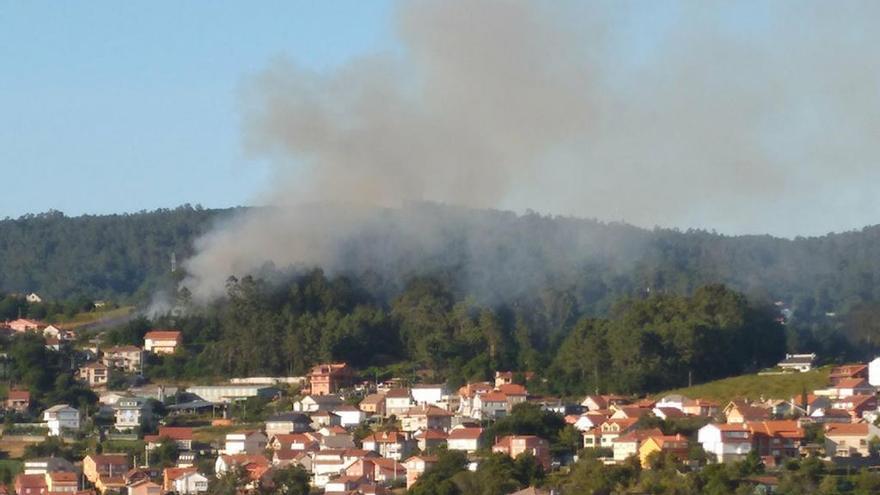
676 445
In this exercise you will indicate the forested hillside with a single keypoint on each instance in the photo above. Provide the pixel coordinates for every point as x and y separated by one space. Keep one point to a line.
111 256
497 257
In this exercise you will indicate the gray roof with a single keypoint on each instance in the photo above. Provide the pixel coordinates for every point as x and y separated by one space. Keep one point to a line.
293 417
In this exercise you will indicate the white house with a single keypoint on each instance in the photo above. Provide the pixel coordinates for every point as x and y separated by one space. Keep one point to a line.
490 405
432 395
874 372
590 420
33 297
131 412
726 442
465 439
398 401
190 483
349 415
61 417
314 403
245 442
162 341
798 362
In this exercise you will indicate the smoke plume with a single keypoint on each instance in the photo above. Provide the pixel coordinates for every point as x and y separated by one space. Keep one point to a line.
743 117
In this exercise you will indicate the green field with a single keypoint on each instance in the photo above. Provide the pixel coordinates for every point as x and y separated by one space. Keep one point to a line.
756 386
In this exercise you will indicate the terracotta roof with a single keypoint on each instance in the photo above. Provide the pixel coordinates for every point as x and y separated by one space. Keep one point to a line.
671 412
512 389
163 335
19 395
779 428
61 476
638 435
847 429
385 437
465 433
176 432
427 411
174 473
851 383
431 435
397 393
122 348
847 370
493 397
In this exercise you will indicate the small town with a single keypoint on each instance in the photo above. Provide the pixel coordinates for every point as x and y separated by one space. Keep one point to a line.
352 436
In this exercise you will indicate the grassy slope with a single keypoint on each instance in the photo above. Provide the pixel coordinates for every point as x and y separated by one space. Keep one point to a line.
91 317
757 386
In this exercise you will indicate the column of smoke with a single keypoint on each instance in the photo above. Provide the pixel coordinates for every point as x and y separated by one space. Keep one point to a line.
710 119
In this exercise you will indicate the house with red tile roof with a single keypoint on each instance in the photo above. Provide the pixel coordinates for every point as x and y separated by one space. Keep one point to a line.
675 445
163 341
726 442
516 445
18 400
430 439
182 436
467 439
846 440
777 439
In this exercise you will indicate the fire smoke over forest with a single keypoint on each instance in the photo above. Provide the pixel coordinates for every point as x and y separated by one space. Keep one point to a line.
559 108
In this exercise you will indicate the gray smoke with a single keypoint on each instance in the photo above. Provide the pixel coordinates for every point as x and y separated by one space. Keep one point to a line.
742 117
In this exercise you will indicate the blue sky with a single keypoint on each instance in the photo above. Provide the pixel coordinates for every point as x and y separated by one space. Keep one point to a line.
122 106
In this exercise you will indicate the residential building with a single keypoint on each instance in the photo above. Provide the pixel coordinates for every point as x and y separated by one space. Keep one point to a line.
18 400
30 484
398 401
603 402
425 394
430 439
228 393
162 341
144 487
45 465
61 417
180 435
23 325
294 441
190 484
846 440
515 445
289 422
874 372
314 403
388 444
740 411
105 465
628 445
321 419
725 442
848 371
416 466
467 439
610 430
132 412
851 386
95 374
798 362
325 379
58 482
675 445
778 439
245 442
373 404
349 415
590 420
377 469
490 405
425 418
127 358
